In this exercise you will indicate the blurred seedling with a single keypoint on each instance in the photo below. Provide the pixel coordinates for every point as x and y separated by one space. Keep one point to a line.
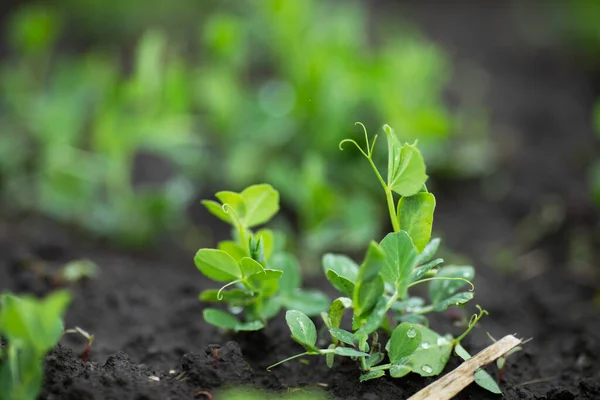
260 278
501 361
76 271
402 260
31 328
86 336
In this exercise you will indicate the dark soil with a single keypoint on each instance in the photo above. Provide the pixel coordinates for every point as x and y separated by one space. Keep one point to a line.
148 322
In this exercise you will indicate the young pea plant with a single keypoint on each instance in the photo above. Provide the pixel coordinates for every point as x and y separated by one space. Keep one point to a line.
31 327
260 279
377 291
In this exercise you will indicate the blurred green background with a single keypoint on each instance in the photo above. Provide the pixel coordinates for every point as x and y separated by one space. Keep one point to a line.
117 117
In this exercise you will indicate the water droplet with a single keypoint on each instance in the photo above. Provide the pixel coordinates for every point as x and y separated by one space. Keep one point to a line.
427 369
411 333
443 360
425 345
466 275
442 341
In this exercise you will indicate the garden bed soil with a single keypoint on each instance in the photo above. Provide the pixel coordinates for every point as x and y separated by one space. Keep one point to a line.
143 308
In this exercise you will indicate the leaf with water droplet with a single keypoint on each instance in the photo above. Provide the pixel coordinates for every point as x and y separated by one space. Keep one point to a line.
429 361
422 270
415 214
343 336
405 340
399 370
429 251
400 259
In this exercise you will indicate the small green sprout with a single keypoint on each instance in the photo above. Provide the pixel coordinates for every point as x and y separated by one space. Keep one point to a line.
31 327
259 278
90 340
76 271
379 287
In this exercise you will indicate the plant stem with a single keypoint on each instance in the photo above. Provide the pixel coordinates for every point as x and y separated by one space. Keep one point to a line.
388 196
286 360
381 367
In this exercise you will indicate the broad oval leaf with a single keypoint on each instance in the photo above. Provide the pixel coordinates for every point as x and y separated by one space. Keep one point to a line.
416 217
250 267
342 265
442 289
372 264
267 274
344 285
217 265
399 370
456 299
233 200
250 326
430 358
343 336
374 359
233 249
400 259
262 203
302 328
220 319
406 167
348 352
216 209
405 339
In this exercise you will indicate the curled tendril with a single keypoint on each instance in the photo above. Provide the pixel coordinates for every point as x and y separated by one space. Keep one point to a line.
220 295
341 146
369 147
472 322
228 209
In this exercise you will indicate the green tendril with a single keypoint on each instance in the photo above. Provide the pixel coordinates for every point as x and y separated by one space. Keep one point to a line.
472 322
441 278
219 295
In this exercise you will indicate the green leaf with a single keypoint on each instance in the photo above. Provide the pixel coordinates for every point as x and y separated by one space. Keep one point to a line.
399 370
369 285
330 357
250 267
262 203
406 167
416 217
371 375
309 302
343 336
375 317
405 339
366 295
291 279
216 209
336 310
267 239
234 297
236 251
348 352
227 321
38 323
233 200
345 286
374 359
482 378
217 265
456 299
430 358
422 270
442 289
429 251
220 319
267 274
342 265
400 260
302 328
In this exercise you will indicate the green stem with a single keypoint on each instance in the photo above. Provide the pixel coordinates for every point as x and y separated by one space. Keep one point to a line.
388 196
472 322
382 367
286 360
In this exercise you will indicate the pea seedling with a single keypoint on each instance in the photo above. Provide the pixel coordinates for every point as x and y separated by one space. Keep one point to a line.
403 259
31 327
262 279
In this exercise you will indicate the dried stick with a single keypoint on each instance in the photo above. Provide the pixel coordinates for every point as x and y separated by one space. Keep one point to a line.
451 384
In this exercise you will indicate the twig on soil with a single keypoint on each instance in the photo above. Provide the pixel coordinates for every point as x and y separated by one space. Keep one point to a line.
451 384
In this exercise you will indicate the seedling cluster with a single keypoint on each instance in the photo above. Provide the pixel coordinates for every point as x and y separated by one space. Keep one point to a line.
375 292
260 278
